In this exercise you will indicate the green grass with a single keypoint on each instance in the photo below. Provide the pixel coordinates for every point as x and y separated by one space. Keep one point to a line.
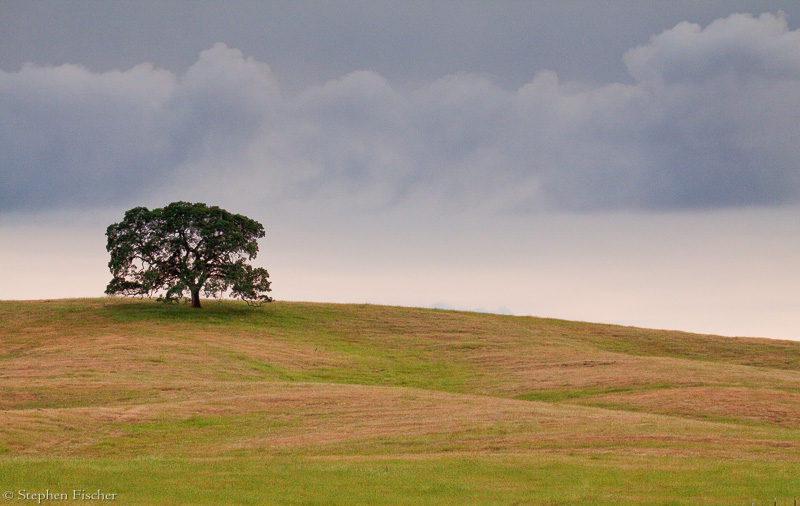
547 479
566 394
305 403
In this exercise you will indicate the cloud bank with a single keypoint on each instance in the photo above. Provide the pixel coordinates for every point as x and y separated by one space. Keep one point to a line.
709 121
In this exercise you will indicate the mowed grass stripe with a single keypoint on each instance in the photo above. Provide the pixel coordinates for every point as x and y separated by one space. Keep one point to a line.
318 418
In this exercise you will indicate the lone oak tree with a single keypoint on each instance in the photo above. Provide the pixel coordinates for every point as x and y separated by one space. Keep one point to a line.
186 247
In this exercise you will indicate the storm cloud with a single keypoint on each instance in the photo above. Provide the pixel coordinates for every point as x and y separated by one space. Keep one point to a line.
707 121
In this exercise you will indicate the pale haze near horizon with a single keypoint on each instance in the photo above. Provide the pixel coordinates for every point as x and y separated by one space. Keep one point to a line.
621 162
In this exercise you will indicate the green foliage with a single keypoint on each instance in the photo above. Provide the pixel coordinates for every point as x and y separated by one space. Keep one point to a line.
186 247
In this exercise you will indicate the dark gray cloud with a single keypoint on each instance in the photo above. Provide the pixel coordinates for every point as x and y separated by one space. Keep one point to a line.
72 136
706 119
312 41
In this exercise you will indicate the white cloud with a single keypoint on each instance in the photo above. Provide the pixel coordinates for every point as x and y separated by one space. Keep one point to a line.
220 103
740 46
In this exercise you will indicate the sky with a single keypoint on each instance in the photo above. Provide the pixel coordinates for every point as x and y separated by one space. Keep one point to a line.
624 162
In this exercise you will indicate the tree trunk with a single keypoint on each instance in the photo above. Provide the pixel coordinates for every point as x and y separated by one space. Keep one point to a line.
196 297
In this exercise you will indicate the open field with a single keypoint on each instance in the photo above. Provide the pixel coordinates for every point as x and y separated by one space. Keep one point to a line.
301 403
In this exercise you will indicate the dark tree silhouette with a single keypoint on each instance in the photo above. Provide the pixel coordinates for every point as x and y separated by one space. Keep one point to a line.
185 248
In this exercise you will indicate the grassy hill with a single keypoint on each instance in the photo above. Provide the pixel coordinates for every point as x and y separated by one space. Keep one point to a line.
302 403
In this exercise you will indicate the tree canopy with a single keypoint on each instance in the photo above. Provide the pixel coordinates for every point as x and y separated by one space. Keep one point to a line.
186 248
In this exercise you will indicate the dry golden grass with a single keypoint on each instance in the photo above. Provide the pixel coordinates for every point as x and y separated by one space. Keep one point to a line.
125 379
770 407
320 419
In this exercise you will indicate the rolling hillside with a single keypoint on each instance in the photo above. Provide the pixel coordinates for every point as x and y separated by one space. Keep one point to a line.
305 403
